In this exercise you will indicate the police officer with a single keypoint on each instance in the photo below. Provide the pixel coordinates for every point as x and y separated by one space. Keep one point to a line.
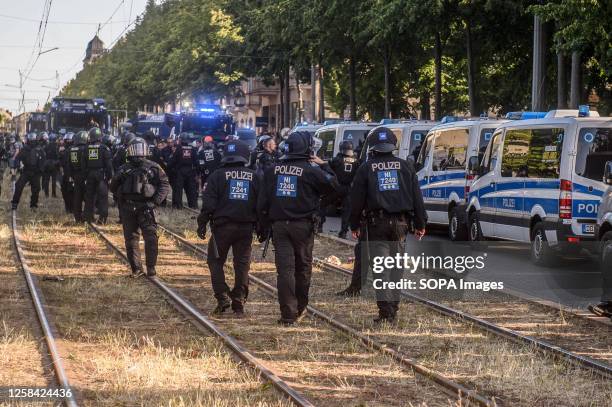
67 186
33 158
52 165
77 172
386 189
266 154
209 159
344 165
99 172
289 200
140 186
120 156
230 203
183 163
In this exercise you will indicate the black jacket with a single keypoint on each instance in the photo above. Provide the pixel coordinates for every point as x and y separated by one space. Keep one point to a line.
389 184
158 179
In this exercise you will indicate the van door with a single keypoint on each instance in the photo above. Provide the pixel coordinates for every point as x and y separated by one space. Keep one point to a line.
423 165
328 137
413 144
594 149
486 185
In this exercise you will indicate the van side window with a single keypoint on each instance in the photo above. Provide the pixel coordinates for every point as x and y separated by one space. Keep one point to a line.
450 150
532 153
425 149
491 156
594 150
416 140
326 151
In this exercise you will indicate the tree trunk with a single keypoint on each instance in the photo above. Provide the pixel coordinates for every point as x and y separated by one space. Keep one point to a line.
387 65
287 109
575 81
313 93
321 94
425 106
281 102
561 81
474 110
438 76
352 89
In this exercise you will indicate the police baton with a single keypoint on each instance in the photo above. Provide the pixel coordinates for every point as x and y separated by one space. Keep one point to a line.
266 245
213 245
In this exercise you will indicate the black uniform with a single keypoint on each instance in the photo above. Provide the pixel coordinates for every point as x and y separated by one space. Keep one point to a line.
183 163
230 202
52 165
209 160
139 187
33 159
77 171
386 189
67 185
289 199
99 172
345 168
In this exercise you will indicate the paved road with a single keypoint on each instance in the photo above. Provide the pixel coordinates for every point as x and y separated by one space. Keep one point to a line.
574 283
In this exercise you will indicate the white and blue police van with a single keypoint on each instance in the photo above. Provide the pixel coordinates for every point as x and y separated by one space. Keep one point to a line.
334 134
442 170
541 181
603 229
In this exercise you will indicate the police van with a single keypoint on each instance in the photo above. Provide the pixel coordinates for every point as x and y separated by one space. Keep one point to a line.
442 170
409 134
603 230
540 181
334 134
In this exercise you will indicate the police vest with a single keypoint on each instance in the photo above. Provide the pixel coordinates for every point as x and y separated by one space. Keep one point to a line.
347 170
138 184
75 158
186 155
94 157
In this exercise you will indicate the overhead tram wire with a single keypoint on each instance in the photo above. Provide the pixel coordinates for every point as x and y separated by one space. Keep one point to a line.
32 20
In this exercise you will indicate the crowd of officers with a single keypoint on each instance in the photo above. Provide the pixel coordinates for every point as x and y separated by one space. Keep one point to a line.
275 192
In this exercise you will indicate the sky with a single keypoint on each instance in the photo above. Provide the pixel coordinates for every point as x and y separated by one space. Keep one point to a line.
71 25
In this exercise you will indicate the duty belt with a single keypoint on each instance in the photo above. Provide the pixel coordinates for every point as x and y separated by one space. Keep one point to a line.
382 214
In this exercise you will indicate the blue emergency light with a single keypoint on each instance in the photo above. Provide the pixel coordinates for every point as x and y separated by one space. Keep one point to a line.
584 111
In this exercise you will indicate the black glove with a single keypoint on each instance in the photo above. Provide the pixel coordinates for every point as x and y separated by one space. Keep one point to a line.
263 232
202 222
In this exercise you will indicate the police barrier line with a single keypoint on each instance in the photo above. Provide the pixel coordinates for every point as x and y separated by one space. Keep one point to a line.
56 359
205 324
597 367
448 386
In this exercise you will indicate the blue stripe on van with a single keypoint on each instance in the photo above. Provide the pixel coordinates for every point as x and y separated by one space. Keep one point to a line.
585 190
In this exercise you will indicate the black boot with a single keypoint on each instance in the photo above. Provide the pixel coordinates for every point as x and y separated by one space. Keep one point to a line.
151 271
238 308
137 273
222 306
603 309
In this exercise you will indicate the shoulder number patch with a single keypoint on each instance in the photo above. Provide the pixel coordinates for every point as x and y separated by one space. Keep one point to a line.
239 189
286 186
388 181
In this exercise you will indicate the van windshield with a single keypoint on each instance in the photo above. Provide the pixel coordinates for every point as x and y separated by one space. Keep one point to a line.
356 136
594 149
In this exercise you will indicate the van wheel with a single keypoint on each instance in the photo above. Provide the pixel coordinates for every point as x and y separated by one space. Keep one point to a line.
475 233
541 253
606 251
457 229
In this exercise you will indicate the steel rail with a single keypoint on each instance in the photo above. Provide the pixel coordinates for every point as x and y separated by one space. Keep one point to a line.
205 324
598 367
450 387
56 359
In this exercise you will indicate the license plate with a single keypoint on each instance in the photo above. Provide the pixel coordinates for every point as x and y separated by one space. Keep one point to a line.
588 228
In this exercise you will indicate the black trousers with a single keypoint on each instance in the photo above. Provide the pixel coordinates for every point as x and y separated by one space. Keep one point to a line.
27 177
135 221
67 188
293 244
385 237
345 214
238 237
50 174
78 196
185 180
96 195
606 275
360 273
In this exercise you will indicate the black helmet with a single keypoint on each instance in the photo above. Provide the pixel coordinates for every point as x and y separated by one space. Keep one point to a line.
108 140
126 126
138 148
31 138
43 136
52 137
299 144
62 132
346 147
185 139
95 135
236 151
127 138
68 137
382 140
81 138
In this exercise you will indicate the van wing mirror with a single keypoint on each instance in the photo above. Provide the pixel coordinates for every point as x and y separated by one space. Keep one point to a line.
474 166
607 178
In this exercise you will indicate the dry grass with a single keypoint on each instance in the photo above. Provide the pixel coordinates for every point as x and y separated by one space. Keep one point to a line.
121 342
328 368
519 374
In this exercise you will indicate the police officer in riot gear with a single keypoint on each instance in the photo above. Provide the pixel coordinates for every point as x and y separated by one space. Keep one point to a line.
99 172
387 191
140 186
77 172
289 201
230 204
265 155
67 186
120 156
209 159
52 166
183 163
33 158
